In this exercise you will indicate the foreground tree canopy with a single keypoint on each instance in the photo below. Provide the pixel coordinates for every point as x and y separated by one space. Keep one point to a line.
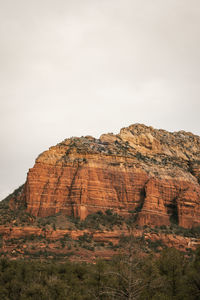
126 276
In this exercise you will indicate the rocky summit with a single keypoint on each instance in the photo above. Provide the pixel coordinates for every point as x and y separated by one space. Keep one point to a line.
153 174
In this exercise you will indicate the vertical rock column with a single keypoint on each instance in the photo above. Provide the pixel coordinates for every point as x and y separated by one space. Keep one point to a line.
153 211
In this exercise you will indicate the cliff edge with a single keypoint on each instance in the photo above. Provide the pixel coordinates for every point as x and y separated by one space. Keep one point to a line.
152 174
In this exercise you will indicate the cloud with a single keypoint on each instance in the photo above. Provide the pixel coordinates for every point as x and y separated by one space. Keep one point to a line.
87 67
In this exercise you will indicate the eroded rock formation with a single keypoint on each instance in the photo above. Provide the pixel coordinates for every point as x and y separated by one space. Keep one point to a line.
152 173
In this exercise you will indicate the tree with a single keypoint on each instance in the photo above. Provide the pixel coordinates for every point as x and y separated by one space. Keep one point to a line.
124 280
193 277
97 280
172 267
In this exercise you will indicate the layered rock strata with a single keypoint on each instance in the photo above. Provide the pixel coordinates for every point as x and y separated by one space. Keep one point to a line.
151 173
114 236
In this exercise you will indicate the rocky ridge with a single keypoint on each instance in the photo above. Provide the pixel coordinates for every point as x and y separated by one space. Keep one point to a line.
151 173
85 245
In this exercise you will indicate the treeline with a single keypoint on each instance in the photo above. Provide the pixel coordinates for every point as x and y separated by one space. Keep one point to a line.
130 275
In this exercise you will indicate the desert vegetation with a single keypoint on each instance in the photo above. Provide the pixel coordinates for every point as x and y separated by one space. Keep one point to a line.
127 276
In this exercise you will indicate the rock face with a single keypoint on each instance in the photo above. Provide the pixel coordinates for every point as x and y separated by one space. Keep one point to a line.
52 239
152 173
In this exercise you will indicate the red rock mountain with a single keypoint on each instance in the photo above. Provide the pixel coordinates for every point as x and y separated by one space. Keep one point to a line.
152 173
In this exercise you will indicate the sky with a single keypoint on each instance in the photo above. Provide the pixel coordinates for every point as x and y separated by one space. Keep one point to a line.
87 67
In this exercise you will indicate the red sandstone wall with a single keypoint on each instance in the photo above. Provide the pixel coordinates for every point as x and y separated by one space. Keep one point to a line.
139 168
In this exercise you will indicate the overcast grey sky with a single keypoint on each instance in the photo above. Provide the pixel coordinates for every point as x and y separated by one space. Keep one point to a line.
79 67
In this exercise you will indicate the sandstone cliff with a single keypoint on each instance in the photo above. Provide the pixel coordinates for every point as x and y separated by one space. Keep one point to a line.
152 173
